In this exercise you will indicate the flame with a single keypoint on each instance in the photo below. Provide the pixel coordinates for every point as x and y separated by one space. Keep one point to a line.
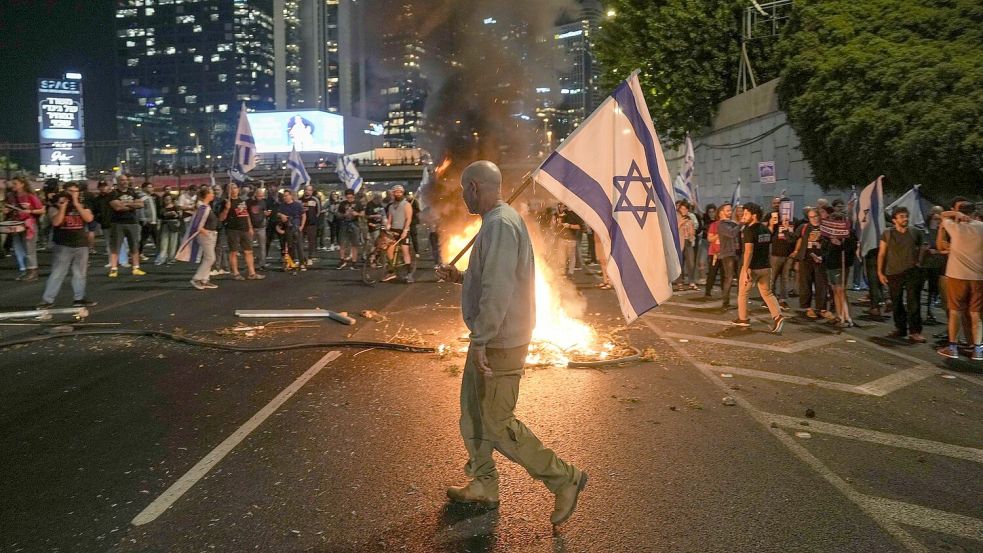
558 334
444 165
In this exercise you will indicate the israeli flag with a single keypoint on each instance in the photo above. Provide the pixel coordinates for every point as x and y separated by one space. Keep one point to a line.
348 173
245 158
189 252
680 190
689 166
611 171
298 173
870 215
735 198
911 199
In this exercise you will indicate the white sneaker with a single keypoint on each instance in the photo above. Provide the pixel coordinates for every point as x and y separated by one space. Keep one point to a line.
127 265
214 272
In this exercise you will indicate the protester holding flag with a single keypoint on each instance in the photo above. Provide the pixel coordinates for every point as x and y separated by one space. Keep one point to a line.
499 307
871 221
312 206
200 238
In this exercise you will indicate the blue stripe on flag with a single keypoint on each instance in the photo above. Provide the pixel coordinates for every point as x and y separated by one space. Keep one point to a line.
582 185
247 138
626 100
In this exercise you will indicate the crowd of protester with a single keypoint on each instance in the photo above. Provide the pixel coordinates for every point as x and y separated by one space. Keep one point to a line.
814 259
244 229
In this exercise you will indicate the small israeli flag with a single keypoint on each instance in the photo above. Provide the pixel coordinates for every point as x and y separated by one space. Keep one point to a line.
611 171
298 173
348 173
689 166
245 158
735 198
869 212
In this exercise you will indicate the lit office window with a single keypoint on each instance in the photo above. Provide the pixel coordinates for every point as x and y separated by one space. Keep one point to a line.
223 107
182 89
216 57
170 50
196 29
199 59
222 77
184 19
132 62
191 99
151 41
148 11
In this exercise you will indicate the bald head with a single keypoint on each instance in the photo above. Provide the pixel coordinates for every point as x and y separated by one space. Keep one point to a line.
482 186
485 173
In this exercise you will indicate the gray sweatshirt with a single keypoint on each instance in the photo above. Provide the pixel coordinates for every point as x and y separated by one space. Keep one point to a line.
499 294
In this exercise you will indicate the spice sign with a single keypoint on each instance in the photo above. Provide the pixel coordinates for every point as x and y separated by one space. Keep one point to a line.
61 128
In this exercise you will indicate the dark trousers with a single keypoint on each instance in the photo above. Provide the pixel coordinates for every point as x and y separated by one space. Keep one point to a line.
906 286
812 274
435 247
310 236
932 277
270 236
726 267
148 231
876 289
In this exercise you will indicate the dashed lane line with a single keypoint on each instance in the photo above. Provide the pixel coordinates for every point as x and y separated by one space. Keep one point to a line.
197 472
880 438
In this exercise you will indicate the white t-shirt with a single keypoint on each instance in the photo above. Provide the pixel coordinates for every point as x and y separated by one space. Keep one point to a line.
965 250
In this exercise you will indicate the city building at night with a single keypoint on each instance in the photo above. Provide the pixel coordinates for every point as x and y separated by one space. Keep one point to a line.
185 68
406 85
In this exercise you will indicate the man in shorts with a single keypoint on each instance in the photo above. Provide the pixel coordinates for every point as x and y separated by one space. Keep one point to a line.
239 233
124 204
349 237
964 275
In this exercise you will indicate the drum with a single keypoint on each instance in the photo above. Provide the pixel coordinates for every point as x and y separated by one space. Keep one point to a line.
12 227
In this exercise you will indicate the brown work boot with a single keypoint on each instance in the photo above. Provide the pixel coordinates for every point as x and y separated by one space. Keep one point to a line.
566 500
476 491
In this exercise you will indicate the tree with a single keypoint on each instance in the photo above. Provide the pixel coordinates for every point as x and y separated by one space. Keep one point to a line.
887 87
688 51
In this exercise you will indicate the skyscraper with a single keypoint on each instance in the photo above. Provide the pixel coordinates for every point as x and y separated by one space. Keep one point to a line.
405 94
185 68
319 53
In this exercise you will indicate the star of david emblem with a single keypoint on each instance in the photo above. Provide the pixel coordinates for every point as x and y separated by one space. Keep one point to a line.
621 184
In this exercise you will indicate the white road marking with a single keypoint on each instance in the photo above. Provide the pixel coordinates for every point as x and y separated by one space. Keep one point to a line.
969 378
794 348
882 438
190 478
898 380
926 517
701 320
791 379
886 522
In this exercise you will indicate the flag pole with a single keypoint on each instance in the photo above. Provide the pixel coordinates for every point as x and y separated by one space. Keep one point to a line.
526 181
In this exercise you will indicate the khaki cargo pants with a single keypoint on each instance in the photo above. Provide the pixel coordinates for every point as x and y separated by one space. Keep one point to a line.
488 423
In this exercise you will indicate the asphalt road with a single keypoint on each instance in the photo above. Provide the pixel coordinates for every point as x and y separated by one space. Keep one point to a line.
304 451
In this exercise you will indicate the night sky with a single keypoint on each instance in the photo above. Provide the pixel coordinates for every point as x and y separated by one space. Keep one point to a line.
46 38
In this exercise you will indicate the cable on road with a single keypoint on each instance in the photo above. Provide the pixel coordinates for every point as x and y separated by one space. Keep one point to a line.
216 345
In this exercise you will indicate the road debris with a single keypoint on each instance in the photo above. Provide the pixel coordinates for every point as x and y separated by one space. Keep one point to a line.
810 414
803 435
341 317
729 401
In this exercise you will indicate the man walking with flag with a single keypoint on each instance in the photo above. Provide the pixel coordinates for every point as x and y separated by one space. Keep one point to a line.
499 308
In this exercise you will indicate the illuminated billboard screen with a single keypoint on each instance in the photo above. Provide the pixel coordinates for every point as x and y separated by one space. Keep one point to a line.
308 130
61 128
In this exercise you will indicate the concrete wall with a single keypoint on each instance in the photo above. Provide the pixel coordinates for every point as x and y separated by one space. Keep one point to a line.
725 154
